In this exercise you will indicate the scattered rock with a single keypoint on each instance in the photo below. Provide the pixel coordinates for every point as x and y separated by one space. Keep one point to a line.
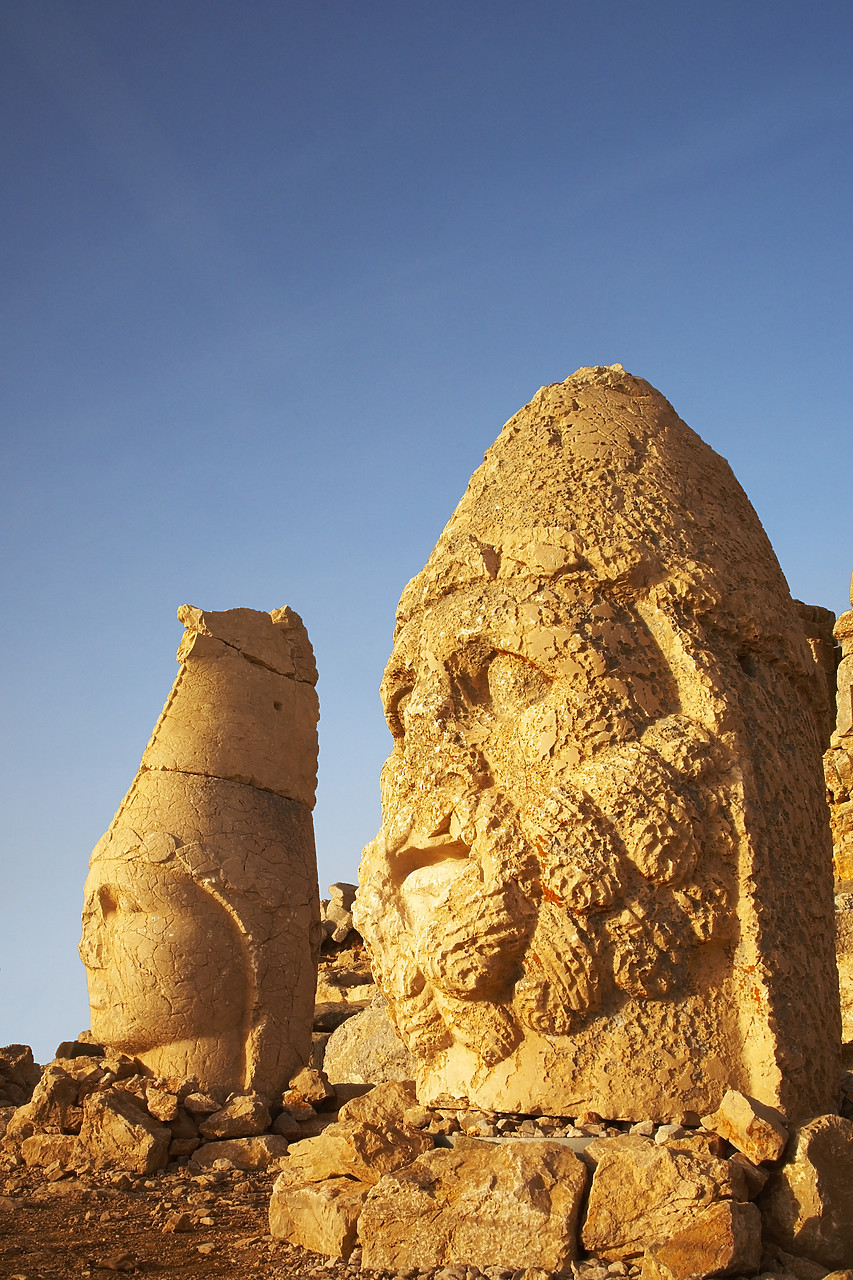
320 1216
243 1116
754 1128
314 1087
118 1132
808 1203
368 1139
243 1153
367 1049
19 1075
43 1149
201 1104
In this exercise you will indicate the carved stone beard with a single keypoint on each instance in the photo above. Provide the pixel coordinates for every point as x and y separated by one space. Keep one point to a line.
554 906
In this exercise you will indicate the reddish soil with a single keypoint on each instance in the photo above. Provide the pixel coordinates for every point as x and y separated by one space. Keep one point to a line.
105 1225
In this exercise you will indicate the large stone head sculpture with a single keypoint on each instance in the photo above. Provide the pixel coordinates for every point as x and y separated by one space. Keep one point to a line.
202 911
603 813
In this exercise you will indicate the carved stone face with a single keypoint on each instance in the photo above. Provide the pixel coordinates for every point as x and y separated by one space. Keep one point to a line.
604 797
156 948
538 851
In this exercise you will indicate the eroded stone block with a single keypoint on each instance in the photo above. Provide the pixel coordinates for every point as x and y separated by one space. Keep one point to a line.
808 1203
722 1240
321 1216
480 1204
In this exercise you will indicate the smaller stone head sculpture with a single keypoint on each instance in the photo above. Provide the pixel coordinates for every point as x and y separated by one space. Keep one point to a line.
201 914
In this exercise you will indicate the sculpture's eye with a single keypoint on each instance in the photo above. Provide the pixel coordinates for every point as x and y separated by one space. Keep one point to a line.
515 683
107 901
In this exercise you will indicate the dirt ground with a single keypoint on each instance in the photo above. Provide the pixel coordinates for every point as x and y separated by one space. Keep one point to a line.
164 1226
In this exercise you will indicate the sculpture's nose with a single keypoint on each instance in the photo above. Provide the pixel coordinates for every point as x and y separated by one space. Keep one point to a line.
91 950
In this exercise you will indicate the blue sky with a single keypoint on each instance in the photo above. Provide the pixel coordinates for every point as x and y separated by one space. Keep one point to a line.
274 275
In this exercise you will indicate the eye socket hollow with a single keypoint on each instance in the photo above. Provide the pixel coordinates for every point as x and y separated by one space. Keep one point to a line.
515 682
107 901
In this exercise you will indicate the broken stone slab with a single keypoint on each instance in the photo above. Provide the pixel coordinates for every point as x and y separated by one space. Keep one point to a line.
322 1217
773 1257
753 1128
722 1240
367 1049
602 848
337 911
329 1014
118 1134
19 1074
243 1116
244 1153
53 1105
370 1138
642 1193
43 1149
315 1088
213 849
476 1205
807 1206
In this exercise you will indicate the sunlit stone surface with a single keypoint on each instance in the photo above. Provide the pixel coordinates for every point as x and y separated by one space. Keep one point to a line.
603 879
201 916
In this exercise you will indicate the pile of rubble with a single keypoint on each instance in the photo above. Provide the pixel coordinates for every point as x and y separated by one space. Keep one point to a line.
19 1075
354 1041
371 1178
94 1110
397 1188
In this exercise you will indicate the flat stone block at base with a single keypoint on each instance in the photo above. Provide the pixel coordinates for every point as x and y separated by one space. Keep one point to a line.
244 1153
723 1240
808 1204
321 1216
479 1205
643 1193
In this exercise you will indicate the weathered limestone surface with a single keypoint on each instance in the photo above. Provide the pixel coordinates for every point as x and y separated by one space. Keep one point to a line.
366 1049
722 1240
19 1074
201 921
844 948
755 1130
479 1205
321 1216
818 624
643 1193
839 758
117 1132
604 871
808 1203
368 1140
244 1153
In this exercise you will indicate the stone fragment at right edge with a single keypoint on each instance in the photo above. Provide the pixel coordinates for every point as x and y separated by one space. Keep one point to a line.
603 880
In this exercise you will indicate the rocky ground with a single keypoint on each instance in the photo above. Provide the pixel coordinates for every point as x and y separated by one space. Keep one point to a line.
169 1225
172 1225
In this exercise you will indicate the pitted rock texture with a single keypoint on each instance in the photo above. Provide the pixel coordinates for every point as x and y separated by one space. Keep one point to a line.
201 918
839 758
604 869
